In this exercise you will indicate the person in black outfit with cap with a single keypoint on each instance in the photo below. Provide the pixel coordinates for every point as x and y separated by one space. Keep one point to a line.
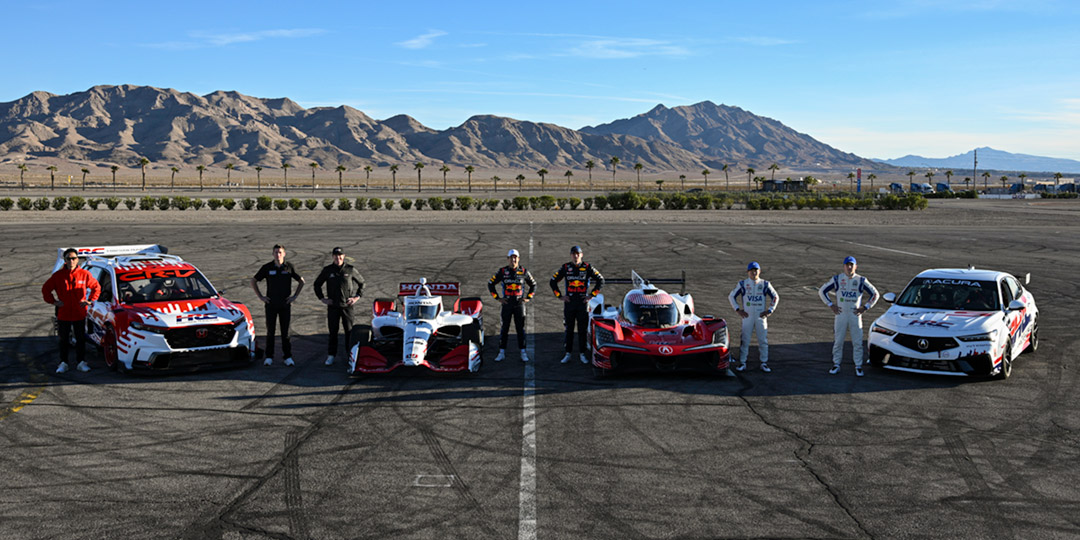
512 277
344 286
578 274
279 276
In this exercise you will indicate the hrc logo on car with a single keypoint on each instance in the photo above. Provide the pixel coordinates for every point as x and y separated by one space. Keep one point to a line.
195 317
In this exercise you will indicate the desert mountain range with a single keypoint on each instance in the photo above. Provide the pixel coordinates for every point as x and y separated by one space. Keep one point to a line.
121 124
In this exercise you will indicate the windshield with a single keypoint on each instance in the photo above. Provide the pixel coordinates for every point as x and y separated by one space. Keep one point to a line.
164 286
651 315
420 312
958 294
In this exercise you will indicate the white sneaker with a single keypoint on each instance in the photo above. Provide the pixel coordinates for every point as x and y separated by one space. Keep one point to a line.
83 366
501 356
565 359
835 369
742 367
329 360
289 362
524 356
859 372
766 368
584 360
62 368
269 361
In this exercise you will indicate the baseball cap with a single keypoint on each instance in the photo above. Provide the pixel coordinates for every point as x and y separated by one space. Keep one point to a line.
513 253
752 266
575 249
849 259
337 251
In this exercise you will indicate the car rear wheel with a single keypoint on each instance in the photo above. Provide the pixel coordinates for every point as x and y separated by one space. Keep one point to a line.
473 333
1006 362
108 349
1033 342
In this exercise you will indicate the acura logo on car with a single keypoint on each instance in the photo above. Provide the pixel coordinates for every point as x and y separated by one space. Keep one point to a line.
923 344
200 333
664 349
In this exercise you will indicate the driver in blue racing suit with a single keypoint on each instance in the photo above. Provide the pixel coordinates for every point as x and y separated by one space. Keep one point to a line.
758 301
848 288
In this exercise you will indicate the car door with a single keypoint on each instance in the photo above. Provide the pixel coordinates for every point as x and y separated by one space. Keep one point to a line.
1011 290
97 315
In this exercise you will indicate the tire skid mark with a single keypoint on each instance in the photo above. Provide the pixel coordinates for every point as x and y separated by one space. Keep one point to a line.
991 512
294 504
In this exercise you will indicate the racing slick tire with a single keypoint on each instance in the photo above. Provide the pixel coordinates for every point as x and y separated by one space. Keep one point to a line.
108 349
600 373
1033 344
474 333
361 335
1006 363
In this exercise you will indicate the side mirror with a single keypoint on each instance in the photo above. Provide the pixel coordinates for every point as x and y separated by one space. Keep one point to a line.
1027 278
889 297
221 292
1016 305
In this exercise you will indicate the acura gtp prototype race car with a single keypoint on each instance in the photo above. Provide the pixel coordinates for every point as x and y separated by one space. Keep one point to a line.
158 312
956 322
422 335
655 329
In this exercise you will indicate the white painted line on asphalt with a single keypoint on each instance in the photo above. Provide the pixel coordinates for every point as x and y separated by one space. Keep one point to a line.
527 492
434 480
884 249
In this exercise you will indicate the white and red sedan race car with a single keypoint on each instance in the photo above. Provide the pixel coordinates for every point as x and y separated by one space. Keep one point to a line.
956 322
423 334
158 312
655 329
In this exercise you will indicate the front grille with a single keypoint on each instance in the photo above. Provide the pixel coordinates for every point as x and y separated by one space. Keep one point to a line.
933 344
976 364
187 337
197 359
704 360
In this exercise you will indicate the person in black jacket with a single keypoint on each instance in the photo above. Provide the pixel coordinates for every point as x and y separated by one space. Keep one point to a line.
512 277
578 275
279 276
344 286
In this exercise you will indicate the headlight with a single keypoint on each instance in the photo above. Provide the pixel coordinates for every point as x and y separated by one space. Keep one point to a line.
720 337
239 320
603 337
148 328
882 330
988 336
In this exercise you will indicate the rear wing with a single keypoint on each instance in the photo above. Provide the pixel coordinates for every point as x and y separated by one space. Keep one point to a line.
640 282
434 289
110 251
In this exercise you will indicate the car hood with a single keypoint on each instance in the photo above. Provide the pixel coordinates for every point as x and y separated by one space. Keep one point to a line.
176 314
937 322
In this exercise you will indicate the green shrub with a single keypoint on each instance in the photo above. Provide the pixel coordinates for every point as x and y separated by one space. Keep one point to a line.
588 202
534 203
448 203
163 203
702 201
94 203
228 204
214 204
388 204
676 201
972 194
374 203
130 203
562 202
247 203
520 203
41 204
465 203
312 204
436 203
653 202
344 204
58 203
6 203
76 203
296 204
24 203
753 203
574 202
626 201
281 204
492 204
264 202
601 202
506 204
405 204
181 203
197 203
546 202
328 203
420 203
361 203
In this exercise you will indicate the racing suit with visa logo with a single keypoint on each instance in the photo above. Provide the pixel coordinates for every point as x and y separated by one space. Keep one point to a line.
513 282
848 292
757 297
575 312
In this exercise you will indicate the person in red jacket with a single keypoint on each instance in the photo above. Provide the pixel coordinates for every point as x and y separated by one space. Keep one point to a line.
71 289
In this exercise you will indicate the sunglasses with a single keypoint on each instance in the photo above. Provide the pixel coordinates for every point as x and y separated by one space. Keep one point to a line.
72 258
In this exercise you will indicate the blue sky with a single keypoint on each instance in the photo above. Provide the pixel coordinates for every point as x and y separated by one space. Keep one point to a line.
880 79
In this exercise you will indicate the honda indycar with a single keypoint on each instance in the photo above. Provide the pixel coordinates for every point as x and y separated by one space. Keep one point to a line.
420 333
956 322
158 312
655 329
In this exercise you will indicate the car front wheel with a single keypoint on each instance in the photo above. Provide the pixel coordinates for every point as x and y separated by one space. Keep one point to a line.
1006 362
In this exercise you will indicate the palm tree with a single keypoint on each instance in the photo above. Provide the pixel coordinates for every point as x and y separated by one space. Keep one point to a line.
340 182
929 177
114 168
851 180
590 165
637 168
143 162
614 161
22 169
706 173
1023 176
967 180
682 178
419 165
910 176
200 168
542 173
444 169
393 174
568 174
495 181
228 176
986 179
85 172
367 176
871 177
727 181
1057 178
948 178
284 169
774 167
52 176
313 166
749 171
521 181
469 169
258 178
172 179
1004 181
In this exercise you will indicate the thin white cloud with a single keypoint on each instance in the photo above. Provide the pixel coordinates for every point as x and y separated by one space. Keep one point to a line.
421 41
617 48
202 39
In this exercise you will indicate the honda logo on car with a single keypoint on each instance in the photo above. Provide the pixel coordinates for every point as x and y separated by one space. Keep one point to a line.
665 350
201 333
435 288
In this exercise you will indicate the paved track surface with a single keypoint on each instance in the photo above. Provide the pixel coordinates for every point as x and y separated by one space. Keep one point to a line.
304 452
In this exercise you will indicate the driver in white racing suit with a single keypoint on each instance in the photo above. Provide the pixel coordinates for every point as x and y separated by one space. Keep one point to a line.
848 288
758 301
